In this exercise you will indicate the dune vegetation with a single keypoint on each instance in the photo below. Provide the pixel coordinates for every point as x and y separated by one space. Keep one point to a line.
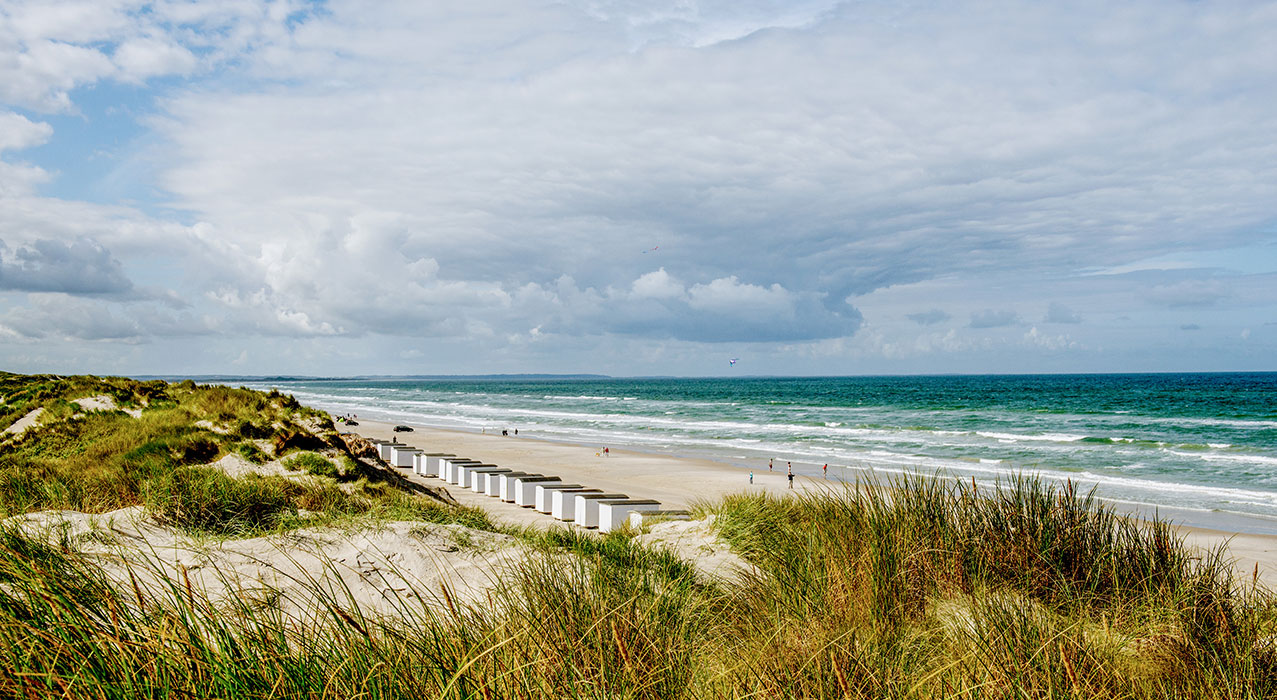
921 588
98 460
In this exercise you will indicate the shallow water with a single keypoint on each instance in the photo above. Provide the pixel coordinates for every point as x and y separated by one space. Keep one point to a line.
1203 444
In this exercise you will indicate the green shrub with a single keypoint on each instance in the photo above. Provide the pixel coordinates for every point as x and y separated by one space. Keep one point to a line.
311 463
171 451
250 431
203 499
330 499
249 451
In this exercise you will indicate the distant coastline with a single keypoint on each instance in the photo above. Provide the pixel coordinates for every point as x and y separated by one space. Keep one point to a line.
578 375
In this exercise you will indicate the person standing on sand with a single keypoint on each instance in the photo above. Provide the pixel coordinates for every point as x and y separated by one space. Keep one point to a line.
769 464
790 467
605 452
826 469
791 480
751 477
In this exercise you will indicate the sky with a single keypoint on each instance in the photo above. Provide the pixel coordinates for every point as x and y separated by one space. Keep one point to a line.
812 187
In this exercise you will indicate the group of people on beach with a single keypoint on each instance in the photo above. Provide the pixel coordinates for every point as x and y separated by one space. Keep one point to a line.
789 469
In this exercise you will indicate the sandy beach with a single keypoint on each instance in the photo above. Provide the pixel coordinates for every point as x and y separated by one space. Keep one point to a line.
680 482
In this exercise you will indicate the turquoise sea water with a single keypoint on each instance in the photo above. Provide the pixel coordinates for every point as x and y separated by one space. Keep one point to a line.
1203 445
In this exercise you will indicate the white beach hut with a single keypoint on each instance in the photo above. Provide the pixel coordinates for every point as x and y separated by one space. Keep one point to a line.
497 483
395 449
509 484
587 507
421 462
614 514
444 469
433 464
402 457
639 518
450 468
490 483
542 503
479 477
384 448
465 473
563 502
525 489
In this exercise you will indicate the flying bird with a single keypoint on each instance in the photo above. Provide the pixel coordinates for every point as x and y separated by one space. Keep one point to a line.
732 362
649 250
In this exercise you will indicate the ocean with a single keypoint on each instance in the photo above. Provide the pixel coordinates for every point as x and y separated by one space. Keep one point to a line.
1199 448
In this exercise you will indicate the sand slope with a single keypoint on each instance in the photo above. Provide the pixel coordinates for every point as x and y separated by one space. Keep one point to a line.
383 569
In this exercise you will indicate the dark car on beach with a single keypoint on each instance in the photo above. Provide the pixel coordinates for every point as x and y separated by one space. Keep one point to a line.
403 429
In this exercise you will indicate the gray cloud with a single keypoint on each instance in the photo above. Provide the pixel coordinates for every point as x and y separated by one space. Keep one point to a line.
76 267
663 173
594 156
928 318
1059 313
990 318
63 317
725 309
1189 293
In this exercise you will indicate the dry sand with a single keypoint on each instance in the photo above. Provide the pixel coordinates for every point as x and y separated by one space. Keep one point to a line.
679 482
21 425
88 403
386 570
397 566
104 403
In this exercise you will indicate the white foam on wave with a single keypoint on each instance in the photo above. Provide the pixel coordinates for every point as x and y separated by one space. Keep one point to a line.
1017 437
1230 458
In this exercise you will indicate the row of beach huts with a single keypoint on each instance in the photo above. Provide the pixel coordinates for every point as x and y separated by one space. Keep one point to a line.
574 503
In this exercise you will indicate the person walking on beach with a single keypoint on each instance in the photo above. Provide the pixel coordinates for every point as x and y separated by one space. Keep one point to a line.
769 464
826 469
751 477
605 452
791 480
790 467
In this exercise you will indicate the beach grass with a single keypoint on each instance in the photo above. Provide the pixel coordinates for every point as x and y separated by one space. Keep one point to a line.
918 587
100 460
914 589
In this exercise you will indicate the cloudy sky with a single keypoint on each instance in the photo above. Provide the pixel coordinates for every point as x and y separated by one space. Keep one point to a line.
812 186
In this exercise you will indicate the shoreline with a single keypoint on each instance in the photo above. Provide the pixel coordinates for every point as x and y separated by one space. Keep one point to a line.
682 482
1218 521
741 428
